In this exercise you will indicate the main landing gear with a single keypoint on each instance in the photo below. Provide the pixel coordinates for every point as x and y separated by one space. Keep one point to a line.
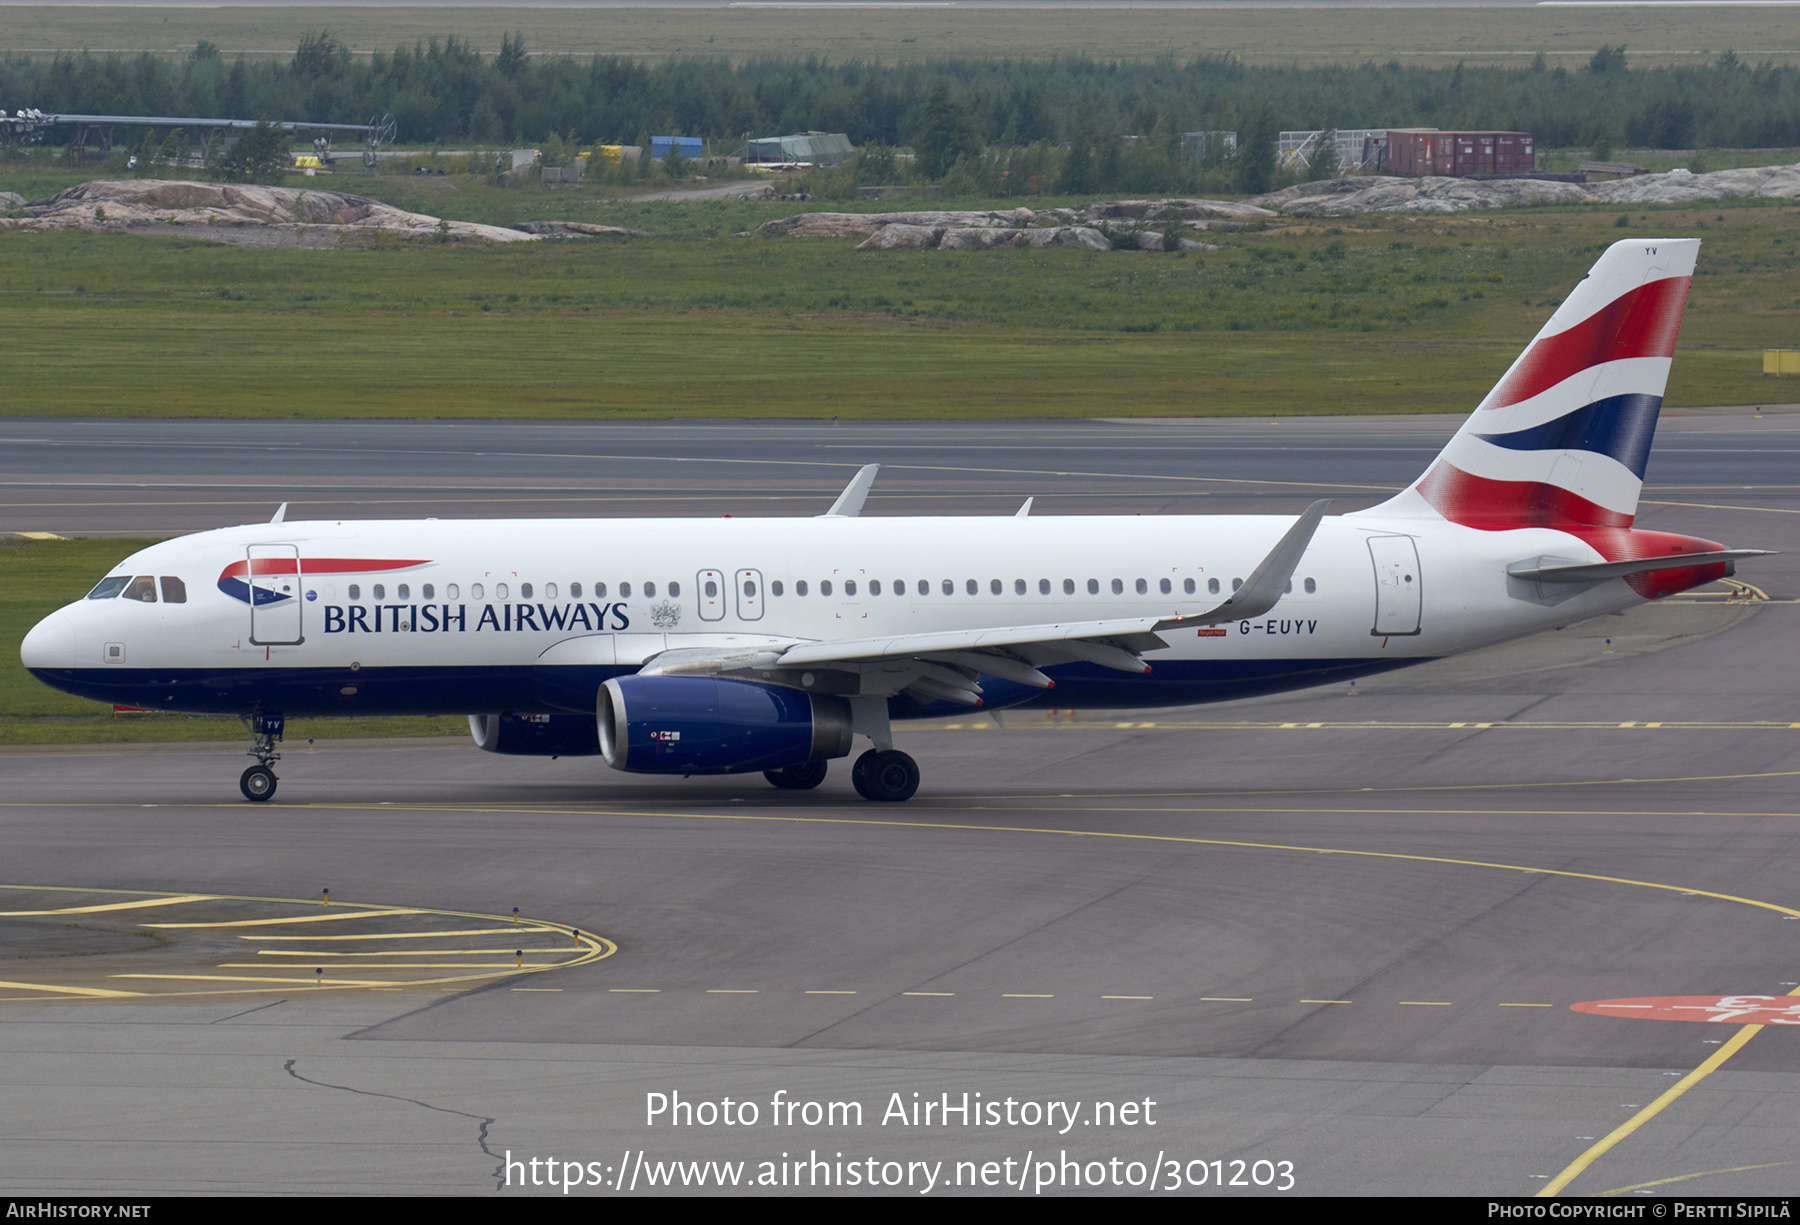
886 775
880 774
798 778
258 782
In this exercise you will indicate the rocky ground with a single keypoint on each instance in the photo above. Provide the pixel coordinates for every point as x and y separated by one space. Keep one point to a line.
239 213
1115 225
1395 195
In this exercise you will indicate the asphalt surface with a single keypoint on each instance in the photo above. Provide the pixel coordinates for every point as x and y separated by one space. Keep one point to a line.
1344 931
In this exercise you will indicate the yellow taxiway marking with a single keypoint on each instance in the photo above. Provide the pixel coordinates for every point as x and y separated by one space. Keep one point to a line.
1023 996
943 994
471 931
290 982
1525 1005
1128 997
1226 999
635 990
1605 1143
404 953
1325 1001
1426 1003
427 965
732 991
299 918
829 993
39 535
1663 1182
588 947
98 992
138 905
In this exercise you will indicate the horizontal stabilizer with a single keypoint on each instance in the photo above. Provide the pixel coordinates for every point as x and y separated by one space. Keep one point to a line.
1564 570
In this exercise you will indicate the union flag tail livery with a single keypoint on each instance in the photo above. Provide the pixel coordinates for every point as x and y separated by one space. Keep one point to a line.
708 646
1562 440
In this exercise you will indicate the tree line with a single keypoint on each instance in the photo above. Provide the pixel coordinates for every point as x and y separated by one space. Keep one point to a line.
444 91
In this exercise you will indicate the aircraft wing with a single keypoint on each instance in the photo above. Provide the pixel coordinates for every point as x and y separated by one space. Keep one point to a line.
947 664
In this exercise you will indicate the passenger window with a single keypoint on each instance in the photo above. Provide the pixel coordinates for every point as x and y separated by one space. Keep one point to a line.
1164 587
356 592
451 591
1212 586
624 591
380 592
1093 586
949 586
712 589
994 587
404 593
800 587
972 587
1311 587
107 588
1187 585
599 591
849 586
549 591
1236 583
649 591
174 591
874 586
749 588
824 587
674 590
924 586
1018 586
899 586
1068 586
500 592
524 591
775 588
474 592
1118 588
428 591
574 591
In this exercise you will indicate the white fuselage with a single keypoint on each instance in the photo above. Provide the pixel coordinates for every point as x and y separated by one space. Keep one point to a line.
470 616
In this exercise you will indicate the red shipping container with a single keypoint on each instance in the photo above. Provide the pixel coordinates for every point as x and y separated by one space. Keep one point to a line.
1422 152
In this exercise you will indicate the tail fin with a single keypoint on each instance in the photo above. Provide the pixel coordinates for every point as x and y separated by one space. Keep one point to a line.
1562 439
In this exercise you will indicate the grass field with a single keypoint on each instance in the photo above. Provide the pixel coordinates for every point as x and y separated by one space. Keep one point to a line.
1365 315
1431 36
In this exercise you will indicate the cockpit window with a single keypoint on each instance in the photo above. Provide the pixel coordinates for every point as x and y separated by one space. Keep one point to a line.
174 591
107 588
143 587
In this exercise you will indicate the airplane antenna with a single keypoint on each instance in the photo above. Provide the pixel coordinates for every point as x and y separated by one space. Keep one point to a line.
1023 510
280 514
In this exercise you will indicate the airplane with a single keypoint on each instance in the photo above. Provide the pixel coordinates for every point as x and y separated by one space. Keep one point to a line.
723 646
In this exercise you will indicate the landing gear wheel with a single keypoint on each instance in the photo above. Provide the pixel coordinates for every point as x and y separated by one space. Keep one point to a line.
798 778
887 776
257 783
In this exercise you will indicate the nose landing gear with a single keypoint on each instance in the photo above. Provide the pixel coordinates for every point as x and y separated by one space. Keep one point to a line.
258 782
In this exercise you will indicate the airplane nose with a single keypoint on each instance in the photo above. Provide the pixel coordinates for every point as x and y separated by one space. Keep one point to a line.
51 642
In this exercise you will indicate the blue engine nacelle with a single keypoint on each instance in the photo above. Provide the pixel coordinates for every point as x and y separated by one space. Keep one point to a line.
703 725
535 735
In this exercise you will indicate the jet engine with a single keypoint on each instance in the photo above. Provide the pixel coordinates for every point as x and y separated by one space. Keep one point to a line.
704 725
535 735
